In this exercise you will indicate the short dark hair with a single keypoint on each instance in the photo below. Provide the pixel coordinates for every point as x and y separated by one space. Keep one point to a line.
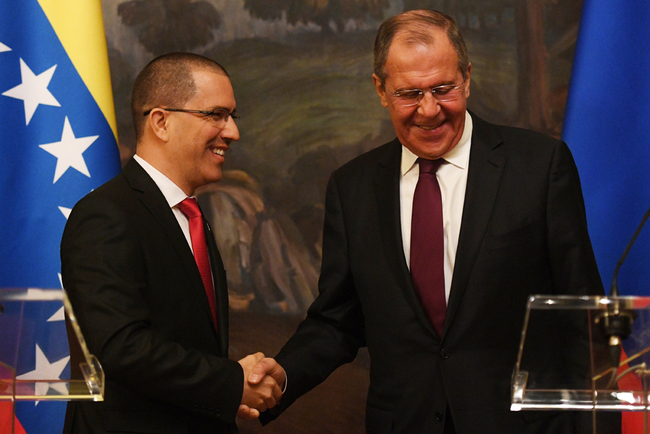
167 81
415 25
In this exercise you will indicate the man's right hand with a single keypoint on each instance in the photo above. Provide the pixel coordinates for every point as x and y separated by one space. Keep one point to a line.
261 391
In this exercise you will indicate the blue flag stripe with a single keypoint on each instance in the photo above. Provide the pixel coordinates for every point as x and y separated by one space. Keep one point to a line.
607 127
32 223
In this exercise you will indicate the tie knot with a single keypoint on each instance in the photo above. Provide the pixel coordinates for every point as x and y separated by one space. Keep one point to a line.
190 207
429 166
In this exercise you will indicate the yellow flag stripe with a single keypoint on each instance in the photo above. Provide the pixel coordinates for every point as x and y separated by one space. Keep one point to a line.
80 27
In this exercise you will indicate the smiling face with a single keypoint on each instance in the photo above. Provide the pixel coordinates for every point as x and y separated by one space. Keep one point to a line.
431 128
196 147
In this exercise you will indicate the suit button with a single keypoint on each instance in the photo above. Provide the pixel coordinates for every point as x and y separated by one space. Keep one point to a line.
444 354
439 416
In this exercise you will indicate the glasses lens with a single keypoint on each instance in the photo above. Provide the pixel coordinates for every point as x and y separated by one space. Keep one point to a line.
220 118
408 98
445 93
412 97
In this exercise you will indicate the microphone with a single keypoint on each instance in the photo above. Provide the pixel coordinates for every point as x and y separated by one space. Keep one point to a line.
616 323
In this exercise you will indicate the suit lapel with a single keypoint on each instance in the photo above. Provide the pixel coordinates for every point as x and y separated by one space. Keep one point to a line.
153 199
387 193
485 168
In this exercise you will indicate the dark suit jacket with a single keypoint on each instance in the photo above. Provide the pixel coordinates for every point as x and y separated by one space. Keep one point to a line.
523 232
138 296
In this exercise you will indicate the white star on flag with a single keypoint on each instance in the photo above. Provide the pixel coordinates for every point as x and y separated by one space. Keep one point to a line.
59 315
33 90
69 151
4 48
47 372
65 211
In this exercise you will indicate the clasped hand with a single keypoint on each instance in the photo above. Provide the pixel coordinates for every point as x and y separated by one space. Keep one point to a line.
263 382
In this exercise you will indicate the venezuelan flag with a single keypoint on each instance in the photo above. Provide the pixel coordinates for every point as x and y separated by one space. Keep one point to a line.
57 142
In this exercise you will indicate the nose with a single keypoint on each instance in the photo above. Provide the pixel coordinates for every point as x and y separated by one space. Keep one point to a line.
230 131
428 106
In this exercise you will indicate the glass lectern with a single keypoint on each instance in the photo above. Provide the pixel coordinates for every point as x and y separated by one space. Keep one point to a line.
566 360
35 354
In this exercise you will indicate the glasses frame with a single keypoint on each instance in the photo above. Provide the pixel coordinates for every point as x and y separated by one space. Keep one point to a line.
211 114
418 99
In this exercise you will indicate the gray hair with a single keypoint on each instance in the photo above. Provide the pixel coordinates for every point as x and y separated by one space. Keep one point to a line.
416 26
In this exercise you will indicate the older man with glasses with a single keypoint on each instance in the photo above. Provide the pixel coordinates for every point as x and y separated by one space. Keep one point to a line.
432 245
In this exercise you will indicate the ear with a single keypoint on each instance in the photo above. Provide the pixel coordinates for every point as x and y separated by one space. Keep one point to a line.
158 121
467 80
381 91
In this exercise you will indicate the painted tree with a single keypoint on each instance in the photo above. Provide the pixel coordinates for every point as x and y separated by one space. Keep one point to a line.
330 15
165 26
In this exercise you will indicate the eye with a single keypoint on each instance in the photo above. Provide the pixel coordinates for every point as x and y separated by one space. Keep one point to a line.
219 115
409 94
442 90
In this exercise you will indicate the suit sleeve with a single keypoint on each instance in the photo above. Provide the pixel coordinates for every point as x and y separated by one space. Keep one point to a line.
105 274
572 258
575 272
333 331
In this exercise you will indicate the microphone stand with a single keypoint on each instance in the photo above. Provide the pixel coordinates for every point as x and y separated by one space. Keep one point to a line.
616 324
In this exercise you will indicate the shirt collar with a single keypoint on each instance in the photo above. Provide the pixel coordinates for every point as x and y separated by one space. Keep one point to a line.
172 192
458 156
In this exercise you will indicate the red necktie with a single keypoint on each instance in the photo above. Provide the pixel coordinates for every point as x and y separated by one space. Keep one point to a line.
191 209
428 244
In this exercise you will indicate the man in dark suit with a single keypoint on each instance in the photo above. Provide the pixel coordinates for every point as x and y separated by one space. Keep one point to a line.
155 316
513 224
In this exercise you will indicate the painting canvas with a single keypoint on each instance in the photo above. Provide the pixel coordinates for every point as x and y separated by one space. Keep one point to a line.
301 72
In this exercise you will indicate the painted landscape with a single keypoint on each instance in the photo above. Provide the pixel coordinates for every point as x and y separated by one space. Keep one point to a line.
301 71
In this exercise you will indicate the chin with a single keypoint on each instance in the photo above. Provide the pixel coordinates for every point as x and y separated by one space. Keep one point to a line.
430 153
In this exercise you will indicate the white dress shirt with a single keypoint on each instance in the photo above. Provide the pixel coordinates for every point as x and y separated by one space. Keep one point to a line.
452 177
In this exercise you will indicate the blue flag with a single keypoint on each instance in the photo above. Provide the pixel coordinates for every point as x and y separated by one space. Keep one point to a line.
57 143
607 127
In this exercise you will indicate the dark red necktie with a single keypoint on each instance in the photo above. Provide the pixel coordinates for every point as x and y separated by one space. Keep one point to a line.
191 209
428 244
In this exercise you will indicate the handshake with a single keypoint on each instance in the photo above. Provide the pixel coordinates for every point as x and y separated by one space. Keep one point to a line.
264 380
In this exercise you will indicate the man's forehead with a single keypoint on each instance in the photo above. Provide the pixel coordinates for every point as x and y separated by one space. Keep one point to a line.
420 59
203 72
213 91
208 81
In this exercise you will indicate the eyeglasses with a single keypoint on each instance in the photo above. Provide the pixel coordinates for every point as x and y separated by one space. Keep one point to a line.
219 116
413 97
